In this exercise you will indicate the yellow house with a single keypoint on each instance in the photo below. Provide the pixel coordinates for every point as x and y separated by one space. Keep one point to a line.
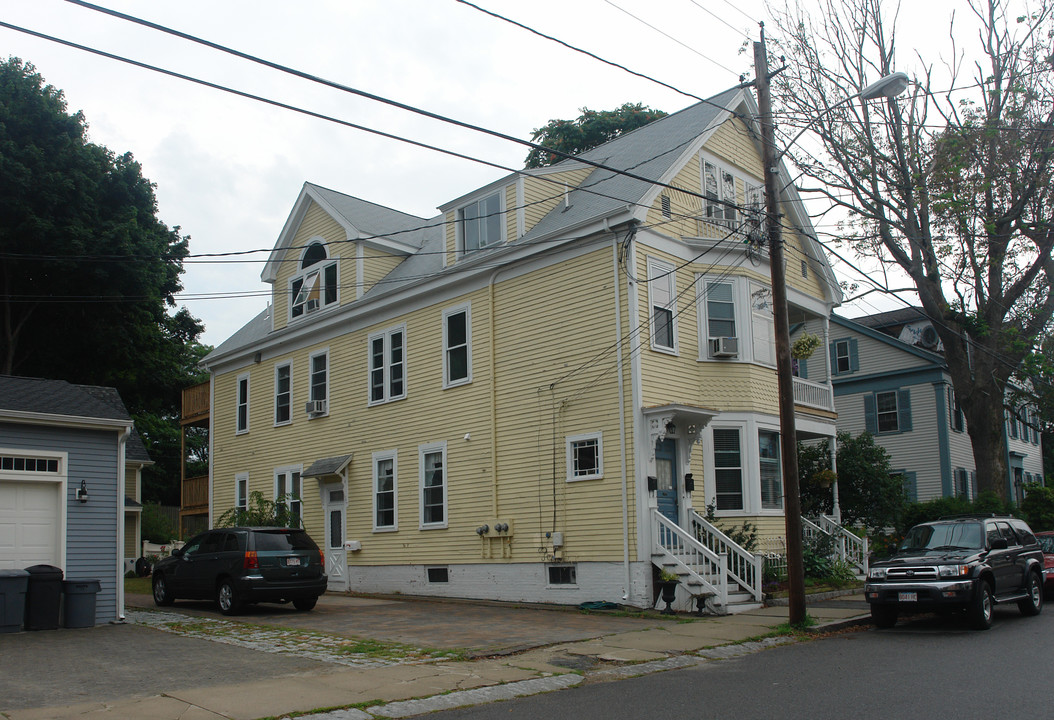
534 395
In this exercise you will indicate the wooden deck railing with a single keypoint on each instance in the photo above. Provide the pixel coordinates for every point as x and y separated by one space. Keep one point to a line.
195 493
196 401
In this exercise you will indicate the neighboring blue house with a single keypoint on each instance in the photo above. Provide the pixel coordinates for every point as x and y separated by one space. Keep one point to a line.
891 380
68 454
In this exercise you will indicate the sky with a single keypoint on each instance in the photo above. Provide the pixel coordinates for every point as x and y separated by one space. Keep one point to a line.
228 169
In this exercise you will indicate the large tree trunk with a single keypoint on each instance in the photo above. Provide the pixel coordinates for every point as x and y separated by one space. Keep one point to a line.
986 425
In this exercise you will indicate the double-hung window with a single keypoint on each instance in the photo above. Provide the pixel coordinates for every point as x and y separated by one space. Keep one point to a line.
241 491
719 189
771 478
433 485
316 284
288 492
886 406
719 299
762 324
845 357
241 422
457 347
728 469
957 420
480 223
662 295
283 394
385 495
319 395
888 411
388 365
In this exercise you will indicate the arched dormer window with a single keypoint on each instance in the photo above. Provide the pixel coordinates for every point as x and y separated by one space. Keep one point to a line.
316 283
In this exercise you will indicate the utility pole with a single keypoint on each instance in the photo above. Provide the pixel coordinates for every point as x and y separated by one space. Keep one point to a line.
788 434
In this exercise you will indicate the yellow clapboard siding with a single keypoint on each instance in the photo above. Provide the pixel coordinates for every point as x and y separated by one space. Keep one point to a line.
376 264
543 193
316 223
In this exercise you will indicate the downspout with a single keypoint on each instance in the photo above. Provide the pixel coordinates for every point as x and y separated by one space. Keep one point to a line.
122 440
493 397
621 414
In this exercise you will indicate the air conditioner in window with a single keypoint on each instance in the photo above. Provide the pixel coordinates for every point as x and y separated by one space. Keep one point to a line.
724 347
315 407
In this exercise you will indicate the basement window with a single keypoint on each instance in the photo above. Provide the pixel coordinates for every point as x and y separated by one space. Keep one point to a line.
562 575
438 574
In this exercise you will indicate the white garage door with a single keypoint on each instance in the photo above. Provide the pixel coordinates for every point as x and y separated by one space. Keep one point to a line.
29 524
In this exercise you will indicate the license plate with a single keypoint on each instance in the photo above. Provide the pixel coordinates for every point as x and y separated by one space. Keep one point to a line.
292 561
908 597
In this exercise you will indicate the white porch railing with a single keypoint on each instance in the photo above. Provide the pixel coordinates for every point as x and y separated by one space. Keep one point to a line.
850 548
690 558
813 394
743 566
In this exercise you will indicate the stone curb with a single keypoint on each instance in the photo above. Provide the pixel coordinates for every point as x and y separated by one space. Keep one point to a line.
475 696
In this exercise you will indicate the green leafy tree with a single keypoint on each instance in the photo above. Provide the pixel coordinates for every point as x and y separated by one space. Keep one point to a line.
88 273
869 492
591 128
261 512
1038 507
949 186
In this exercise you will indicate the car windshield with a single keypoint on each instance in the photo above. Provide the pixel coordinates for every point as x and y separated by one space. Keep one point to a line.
1047 543
946 536
268 540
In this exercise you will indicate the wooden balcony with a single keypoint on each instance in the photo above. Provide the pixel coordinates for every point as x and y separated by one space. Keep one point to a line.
195 404
195 496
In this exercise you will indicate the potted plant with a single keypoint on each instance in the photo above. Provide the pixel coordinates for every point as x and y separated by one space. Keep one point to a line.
668 582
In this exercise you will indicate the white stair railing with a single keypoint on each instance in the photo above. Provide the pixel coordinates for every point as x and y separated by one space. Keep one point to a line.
690 558
851 548
743 566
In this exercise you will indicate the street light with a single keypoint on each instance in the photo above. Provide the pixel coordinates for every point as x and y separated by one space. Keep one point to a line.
888 86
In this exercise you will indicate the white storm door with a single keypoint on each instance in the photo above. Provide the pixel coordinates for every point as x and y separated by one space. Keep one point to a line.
336 555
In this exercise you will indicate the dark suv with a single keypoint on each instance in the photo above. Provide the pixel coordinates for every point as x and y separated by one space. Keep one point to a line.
962 563
240 565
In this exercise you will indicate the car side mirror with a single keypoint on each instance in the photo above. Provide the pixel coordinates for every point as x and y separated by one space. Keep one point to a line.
999 543
178 552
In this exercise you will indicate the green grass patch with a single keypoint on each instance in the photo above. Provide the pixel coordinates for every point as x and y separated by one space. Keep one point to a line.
138 585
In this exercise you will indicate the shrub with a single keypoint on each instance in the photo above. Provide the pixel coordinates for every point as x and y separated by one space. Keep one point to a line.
261 512
156 527
1038 507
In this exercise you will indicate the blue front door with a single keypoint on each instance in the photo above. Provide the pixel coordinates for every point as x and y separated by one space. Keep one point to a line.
666 473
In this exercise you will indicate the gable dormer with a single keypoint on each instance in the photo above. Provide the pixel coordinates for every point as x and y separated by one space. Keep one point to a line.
481 220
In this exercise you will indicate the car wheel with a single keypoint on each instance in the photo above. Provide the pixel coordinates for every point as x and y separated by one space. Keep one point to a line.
1033 604
227 598
162 596
884 616
305 604
980 610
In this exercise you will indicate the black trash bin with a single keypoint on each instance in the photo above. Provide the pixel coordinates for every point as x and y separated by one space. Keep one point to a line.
78 608
43 596
12 599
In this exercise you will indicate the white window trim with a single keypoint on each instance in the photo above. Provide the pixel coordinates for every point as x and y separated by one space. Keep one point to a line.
422 450
447 382
387 337
459 226
242 502
238 403
655 269
302 274
737 181
292 408
569 445
848 356
738 308
377 457
289 470
895 411
747 449
310 381
762 510
769 315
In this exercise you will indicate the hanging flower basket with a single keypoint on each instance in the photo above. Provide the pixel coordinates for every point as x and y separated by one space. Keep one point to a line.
805 346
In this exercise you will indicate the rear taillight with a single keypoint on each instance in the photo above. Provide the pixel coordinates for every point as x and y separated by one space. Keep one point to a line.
322 559
251 561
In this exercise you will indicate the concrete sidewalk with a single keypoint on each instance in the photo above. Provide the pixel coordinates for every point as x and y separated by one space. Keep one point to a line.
498 659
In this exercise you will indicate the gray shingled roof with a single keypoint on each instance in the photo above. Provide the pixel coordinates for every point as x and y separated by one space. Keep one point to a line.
649 152
327 466
58 397
892 317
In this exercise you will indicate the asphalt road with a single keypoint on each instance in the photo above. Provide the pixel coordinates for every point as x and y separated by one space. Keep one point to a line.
926 667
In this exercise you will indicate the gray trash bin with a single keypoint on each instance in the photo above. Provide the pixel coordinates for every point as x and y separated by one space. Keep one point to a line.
13 584
78 610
